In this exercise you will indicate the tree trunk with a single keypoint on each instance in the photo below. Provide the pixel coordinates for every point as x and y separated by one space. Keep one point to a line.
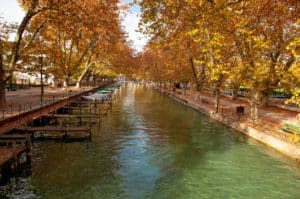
83 74
194 73
94 80
2 81
66 82
253 105
185 85
2 92
265 99
78 84
217 99
192 65
18 38
234 93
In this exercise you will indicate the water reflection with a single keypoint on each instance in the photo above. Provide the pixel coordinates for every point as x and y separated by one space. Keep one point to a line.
152 147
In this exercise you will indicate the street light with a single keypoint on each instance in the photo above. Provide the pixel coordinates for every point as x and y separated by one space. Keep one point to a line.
41 73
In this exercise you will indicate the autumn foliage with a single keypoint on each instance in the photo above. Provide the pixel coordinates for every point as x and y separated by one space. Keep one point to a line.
76 39
218 44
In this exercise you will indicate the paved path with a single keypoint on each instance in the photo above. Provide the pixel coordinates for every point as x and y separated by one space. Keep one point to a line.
271 113
23 100
271 118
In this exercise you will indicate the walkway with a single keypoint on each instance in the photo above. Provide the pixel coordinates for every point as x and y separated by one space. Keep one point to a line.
23 100
271 118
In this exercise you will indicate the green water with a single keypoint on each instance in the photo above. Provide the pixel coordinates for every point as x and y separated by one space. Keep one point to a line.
150 146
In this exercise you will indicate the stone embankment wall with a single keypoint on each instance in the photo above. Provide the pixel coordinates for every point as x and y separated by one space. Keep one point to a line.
282 146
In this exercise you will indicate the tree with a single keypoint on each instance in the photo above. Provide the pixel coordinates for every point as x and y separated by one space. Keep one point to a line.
231 43
33 8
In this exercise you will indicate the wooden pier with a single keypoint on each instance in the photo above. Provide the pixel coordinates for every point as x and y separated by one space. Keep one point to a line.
12 148
54 132
71 116
25 117
17 145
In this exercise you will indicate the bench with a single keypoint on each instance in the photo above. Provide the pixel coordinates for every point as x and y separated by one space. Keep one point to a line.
11 88
240 110
291 128
204 101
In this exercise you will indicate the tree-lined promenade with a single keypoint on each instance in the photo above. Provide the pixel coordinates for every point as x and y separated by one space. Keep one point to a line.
216 45
204 46
235 61
69 39
271 128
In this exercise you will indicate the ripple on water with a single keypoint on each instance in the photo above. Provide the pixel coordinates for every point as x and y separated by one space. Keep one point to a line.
149 146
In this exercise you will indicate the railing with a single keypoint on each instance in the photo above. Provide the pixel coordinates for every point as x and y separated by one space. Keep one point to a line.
11 110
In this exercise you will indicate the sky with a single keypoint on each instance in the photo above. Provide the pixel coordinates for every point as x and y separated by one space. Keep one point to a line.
130 23
11 12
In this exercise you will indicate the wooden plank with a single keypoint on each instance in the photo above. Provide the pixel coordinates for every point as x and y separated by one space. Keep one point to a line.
83 102
93 109
14 136
54 128
13 141
71 116
83 108
7 153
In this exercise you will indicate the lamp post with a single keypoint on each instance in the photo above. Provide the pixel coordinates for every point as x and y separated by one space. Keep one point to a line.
41 73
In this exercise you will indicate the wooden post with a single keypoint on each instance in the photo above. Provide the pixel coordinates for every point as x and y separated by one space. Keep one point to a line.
14 147
80 107
99 116
90 121
42 134
52 118
28 148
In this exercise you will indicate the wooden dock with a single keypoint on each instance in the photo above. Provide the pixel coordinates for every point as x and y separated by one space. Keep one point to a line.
14 146
14 121
55 132
88 116
11 139
8 154
94 110
90 103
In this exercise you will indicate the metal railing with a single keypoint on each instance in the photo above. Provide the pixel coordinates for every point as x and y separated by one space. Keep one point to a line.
13 109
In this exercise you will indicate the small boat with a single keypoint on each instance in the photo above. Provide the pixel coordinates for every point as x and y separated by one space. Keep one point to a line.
104 91
98 97
112 89
101 94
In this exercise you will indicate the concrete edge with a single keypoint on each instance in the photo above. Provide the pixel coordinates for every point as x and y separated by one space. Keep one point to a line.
282 146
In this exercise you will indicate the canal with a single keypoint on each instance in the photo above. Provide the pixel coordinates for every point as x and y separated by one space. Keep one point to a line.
150 146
